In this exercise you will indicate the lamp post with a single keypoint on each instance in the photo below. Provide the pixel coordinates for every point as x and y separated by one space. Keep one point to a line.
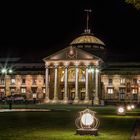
5 72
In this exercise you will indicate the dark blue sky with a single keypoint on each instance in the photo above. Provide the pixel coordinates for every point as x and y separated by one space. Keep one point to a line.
48 27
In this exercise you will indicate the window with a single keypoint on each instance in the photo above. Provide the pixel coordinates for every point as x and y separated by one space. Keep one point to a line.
13 91
110 90
2 90
134 90
2 81
135 97
23 90
44 90
122 90
110 81
134 81
138 81
122 81
34 81
122 96
23 81
13 81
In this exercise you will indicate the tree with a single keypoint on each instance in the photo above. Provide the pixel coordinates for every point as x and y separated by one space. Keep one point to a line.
136 3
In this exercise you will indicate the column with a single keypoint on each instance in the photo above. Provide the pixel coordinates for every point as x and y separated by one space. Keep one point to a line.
76 99
138 95
86 86
47 84
96 98
55 83
66 85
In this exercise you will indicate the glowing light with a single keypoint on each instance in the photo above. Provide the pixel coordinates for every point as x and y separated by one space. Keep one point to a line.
89 70
133 106
10 71
97 70
4 70
120 109
92 70
129 108
87 123
87 119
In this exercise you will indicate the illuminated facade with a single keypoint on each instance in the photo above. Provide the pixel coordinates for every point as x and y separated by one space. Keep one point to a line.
77 74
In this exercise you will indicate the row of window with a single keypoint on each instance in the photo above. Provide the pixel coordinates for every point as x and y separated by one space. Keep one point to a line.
23 90
122 90
123 81
122 96
13 81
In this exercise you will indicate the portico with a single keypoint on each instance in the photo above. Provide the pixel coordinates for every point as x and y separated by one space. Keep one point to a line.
72 76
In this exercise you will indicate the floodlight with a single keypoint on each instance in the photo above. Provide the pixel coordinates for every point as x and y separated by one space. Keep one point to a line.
129 108
121 110
87 123
133 106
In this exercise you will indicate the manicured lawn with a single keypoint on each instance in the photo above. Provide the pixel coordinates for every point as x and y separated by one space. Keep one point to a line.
59 124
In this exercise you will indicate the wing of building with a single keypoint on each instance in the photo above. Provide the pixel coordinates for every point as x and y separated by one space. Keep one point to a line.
77 74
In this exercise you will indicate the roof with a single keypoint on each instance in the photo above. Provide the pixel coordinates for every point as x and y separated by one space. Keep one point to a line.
87 38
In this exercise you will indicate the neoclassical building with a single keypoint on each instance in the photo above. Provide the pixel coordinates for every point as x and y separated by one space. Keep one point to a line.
77 74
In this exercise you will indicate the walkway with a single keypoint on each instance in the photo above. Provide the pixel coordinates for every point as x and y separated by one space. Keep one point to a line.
24 110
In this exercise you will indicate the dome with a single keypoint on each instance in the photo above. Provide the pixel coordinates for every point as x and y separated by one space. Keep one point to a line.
87 39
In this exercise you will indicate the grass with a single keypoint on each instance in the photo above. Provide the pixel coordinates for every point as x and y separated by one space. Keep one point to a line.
58 124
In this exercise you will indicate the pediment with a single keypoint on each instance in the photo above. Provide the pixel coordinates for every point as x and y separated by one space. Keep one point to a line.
71 53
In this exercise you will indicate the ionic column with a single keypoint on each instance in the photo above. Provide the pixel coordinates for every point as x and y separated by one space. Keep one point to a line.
66 85
55 83
76 99
47 83
86 85
96 97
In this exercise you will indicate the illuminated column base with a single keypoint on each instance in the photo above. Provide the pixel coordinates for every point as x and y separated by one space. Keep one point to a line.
96 100
46 100
76 101
86 101
54 101
65 101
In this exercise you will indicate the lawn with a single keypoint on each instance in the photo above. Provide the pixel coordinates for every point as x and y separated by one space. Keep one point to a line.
58 124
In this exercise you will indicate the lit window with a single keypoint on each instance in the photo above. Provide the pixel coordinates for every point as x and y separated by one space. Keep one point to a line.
134 91
13 81
23 90
44 90
122 81
138 81
34 81
2 90
110 90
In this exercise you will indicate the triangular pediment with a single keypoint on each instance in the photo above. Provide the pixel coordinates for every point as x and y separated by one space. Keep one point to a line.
71 53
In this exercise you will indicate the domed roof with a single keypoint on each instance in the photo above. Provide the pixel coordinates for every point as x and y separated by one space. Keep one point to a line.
87 39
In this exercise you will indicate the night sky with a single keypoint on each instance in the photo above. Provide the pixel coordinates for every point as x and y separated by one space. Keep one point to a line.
33 31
